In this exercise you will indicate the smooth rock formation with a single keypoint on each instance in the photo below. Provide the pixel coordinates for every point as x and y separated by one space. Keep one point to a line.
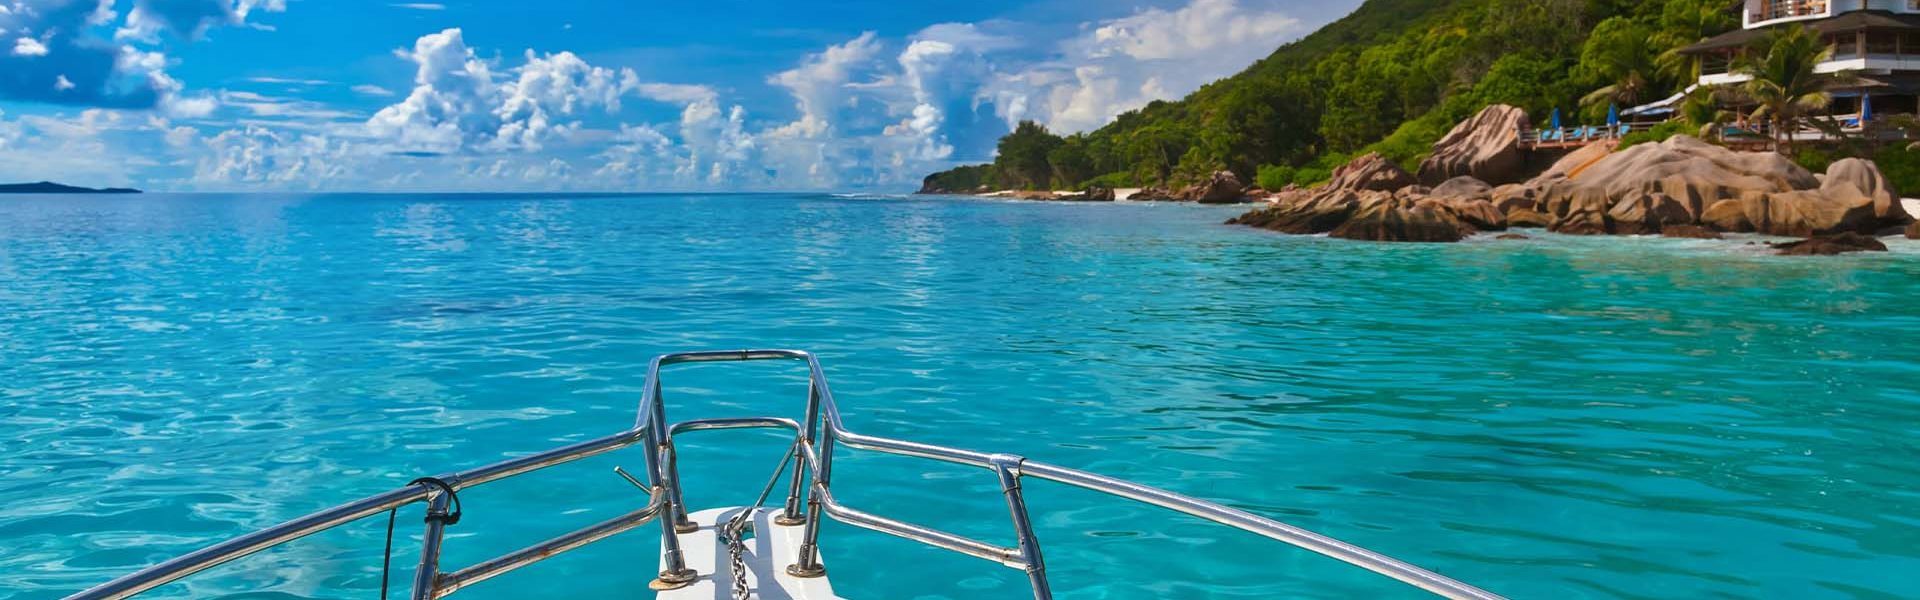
1731 215
1096 194
1686 181
1862 177
1913 230
1682 187
1830 245
1307 215
1647 215
1573 164
1581 211
1387 219
1513 196
1479 213
1692 173
1371 172
1373 199
1222 188
1511 236
1531 195
1526 217
1157 194
1682 170
1462 188
1800 214
1369 215
1486 147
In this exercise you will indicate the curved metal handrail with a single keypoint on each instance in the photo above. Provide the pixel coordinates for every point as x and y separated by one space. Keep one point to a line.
232 549
819 448
822 430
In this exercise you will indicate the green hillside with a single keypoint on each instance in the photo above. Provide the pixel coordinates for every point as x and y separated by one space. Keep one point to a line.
1392 77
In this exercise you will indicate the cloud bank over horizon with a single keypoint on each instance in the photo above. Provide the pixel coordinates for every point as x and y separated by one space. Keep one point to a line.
86 95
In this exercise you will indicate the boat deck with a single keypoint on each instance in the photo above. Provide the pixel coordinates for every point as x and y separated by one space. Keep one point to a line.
768 552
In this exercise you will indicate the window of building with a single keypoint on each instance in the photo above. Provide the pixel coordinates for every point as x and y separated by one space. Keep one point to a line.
1717 64
1883 43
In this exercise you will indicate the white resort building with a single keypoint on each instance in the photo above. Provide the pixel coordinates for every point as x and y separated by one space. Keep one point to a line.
1877 42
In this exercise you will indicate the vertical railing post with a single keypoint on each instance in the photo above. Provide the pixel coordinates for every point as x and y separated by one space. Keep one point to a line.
809 565
679 515
1008 468
790 515
674 573
426 577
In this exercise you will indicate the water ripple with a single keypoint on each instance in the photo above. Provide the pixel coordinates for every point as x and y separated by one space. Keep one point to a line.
1568 417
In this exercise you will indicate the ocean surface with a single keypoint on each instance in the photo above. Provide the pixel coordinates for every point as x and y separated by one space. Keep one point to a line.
1554 418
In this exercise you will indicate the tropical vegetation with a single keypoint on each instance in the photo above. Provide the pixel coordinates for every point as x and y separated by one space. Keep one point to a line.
1392 77
1782 82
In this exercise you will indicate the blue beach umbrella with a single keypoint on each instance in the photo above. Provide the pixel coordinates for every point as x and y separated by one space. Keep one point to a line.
1556 118
1866 108
1613 115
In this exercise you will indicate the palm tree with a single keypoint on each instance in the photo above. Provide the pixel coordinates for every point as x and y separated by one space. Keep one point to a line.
1702 107
1617 51
1782 82
1683 23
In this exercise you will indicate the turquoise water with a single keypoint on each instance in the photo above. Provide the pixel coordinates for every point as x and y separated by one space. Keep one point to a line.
1565 418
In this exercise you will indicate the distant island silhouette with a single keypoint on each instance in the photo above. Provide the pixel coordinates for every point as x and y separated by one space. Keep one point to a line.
48 187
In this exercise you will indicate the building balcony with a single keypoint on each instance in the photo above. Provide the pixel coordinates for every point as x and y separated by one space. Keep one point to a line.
1761 13
1852 63
1778 11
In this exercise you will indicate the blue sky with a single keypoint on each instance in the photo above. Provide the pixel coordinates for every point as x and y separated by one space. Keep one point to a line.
296 95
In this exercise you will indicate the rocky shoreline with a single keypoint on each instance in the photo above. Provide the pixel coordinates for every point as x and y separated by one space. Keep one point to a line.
1474 181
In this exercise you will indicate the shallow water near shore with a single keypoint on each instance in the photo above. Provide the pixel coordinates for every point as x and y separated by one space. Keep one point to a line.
1556 417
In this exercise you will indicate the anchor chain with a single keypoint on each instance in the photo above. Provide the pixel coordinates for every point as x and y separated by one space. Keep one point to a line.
730 531
736 550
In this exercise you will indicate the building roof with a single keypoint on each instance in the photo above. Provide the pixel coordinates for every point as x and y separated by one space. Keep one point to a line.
1859 20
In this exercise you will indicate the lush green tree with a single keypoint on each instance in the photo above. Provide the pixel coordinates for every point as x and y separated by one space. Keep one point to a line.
1071 163
1618 53
1240 131
1684 23
960 180
1274 177
1154 152
1022 159
1524 79
1782 82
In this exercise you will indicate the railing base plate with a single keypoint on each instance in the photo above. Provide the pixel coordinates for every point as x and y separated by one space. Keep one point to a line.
769 548
674 581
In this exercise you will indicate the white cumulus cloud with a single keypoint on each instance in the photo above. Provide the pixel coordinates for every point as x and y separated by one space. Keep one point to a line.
820 84
26 46
459 103
1155 54
867 111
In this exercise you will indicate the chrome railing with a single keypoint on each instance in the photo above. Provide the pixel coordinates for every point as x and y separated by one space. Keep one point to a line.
822 431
